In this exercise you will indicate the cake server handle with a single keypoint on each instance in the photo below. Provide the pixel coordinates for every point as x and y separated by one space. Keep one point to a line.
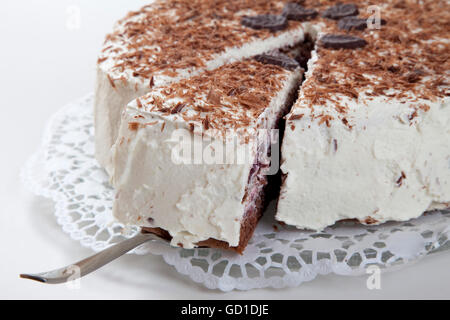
88 265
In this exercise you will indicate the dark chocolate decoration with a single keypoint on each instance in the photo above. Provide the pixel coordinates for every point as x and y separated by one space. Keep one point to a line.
265 21
294 11
339 41
352 23
382 22
278 59
340 11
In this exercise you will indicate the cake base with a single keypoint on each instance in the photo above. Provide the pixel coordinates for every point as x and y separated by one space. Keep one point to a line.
248 226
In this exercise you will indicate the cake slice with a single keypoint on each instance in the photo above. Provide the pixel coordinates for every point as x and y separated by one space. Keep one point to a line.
369 137
191 158
167 41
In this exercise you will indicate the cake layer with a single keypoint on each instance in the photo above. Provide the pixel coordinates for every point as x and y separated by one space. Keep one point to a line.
369 137
190 157
172 40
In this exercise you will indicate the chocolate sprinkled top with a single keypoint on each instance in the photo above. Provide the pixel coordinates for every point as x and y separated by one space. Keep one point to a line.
415 38
205 101
152 45
167 36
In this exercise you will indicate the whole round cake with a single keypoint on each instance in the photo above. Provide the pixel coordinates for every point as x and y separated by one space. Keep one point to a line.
363 89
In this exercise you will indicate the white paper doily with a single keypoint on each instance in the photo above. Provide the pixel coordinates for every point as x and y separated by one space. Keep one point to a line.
64 169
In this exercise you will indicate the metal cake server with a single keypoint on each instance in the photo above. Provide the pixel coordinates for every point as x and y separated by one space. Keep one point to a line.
88 265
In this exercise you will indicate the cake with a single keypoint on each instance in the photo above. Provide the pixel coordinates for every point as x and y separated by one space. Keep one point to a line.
167 41
367 139
191 157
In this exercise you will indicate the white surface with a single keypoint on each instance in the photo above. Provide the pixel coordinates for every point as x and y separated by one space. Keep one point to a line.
47 65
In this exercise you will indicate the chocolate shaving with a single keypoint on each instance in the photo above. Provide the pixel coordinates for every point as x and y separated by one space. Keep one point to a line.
152 82
133 126
213 97
139 103
414 76
296 117
340 41
111 81
237 91
370 220
400 180
206 123
178 108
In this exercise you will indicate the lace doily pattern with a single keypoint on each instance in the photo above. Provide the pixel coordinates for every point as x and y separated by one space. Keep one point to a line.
64 169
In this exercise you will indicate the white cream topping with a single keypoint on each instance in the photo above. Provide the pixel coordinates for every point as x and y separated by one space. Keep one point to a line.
108 106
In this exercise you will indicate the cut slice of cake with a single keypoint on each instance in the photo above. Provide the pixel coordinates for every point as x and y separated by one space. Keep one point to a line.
191 158
167 41
369 137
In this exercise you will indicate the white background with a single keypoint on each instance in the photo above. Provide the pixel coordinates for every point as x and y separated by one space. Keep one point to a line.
44 65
